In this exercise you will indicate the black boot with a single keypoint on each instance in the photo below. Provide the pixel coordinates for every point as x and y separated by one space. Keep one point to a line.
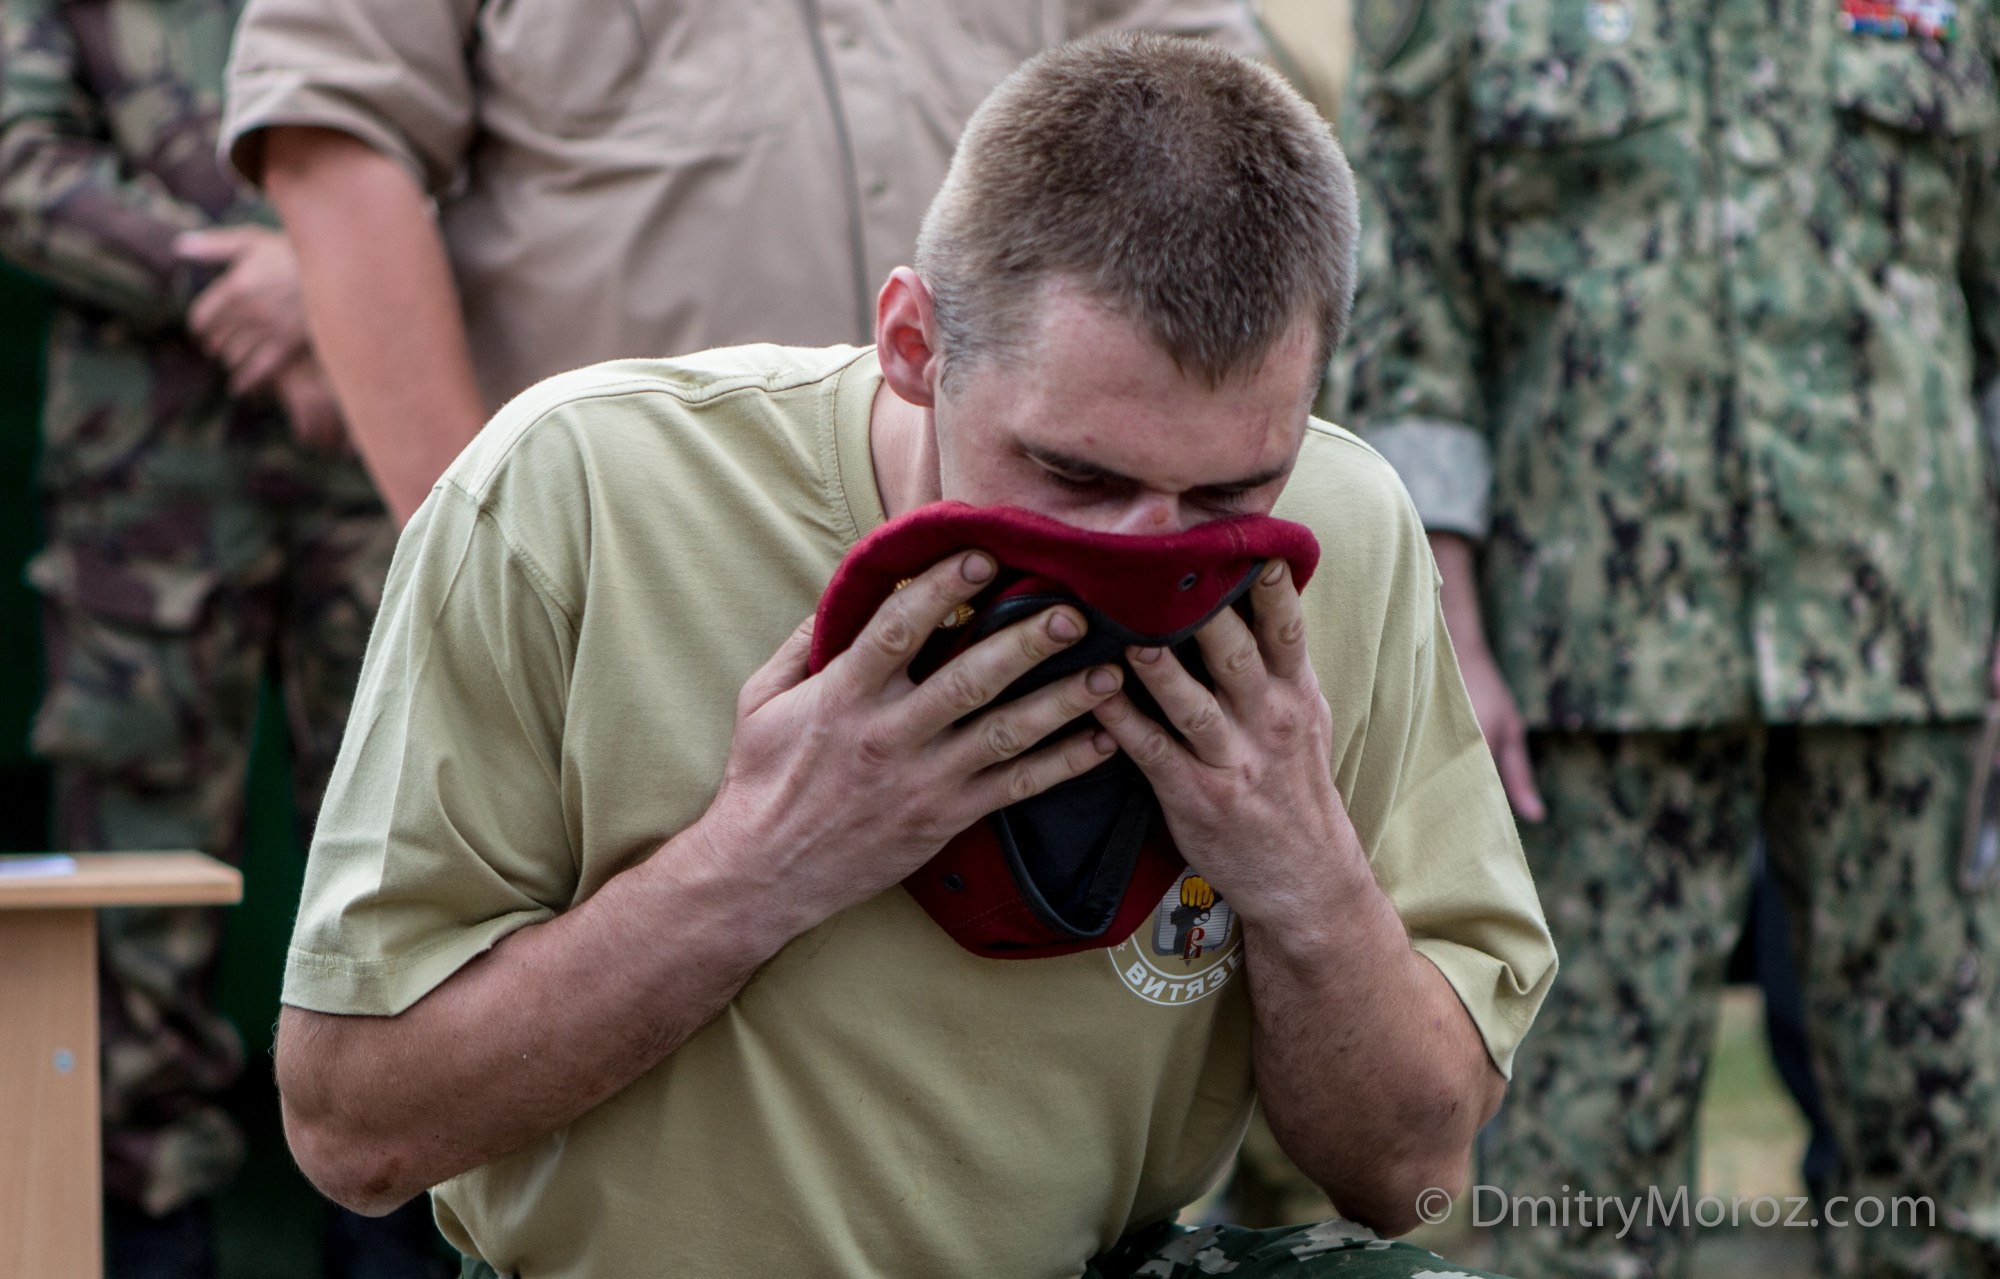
180 1245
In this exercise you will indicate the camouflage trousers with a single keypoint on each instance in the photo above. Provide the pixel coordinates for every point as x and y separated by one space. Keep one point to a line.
1169 1251
1644 868
162 613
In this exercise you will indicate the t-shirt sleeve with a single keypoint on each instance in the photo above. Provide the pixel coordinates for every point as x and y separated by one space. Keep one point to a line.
392 73
1451 861
1421 787
445 825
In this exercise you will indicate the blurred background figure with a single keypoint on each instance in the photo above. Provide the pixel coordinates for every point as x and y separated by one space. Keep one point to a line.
205 523
1674 319
487 193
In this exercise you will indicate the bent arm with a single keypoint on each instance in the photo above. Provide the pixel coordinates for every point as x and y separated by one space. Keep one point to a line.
382 305
563 1013
551 1022
1372 1075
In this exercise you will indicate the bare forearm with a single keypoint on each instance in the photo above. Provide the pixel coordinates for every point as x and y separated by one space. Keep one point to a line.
1372 1075
383 307
1456 558
554 1020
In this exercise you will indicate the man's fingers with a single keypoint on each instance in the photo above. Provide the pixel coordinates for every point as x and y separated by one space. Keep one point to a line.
1053 765
1229 649
786 669
979 674
1517 775
1150 746
1188 706
211 307
260 369
907 618
1007 731
1280 622
222 244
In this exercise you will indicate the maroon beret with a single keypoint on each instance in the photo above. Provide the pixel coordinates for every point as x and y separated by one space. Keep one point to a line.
1081 865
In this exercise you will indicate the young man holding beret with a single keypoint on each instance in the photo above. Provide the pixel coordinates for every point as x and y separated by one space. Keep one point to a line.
603 939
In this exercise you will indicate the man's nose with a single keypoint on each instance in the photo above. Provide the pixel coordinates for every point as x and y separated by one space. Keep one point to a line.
1149 515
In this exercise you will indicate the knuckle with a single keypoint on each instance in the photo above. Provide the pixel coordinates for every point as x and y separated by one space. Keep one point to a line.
1074 700
1240 658
963 690
874 747
895 634
1293 632
1203 717
1022 784
1033 641
1003 740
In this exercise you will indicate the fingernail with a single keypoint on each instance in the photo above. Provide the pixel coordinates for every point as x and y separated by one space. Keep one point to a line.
1101 681
1146 655
976 568
1273 573
1064 625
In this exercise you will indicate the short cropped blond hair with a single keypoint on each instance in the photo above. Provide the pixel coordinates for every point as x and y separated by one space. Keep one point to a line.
1184 187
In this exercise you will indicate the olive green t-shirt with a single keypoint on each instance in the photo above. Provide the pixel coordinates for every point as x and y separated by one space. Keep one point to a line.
549 694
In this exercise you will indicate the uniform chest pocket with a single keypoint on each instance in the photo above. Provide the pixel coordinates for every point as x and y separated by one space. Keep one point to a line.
1582 159
703 71
1552 102
1908 110
1927 88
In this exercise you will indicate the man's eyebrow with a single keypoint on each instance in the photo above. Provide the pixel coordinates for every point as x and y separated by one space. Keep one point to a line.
1084 469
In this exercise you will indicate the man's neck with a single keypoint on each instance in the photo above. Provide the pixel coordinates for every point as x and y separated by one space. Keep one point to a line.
903 447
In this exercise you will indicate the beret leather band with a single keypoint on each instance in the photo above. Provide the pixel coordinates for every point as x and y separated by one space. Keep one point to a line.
1083 864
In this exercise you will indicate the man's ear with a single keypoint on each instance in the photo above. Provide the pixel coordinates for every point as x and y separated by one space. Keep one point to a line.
906 338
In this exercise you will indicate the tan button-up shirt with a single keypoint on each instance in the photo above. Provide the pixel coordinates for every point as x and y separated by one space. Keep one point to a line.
647 177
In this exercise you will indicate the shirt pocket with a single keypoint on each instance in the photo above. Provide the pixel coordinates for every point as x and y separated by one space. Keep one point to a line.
1907 111
705 72
1582 159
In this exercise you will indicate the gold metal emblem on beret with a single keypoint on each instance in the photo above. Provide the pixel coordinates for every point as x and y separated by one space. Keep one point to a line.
958 616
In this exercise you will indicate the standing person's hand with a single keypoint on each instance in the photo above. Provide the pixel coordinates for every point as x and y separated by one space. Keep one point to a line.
841 783
252 318
1493 702
1505 731
307 398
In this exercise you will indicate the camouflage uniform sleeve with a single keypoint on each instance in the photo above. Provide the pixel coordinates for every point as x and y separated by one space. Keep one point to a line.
1407 377
72 210
1980 270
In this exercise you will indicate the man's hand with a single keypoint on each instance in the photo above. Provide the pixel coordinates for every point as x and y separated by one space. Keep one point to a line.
252 318
841 784
309 405
1343 1003
1251 786
1492 701
1505 731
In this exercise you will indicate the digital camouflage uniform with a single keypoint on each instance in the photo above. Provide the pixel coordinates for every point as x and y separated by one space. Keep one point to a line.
1681 309
191 546
1329 1250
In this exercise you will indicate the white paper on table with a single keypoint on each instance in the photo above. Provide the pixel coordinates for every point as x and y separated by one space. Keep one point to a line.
35 867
